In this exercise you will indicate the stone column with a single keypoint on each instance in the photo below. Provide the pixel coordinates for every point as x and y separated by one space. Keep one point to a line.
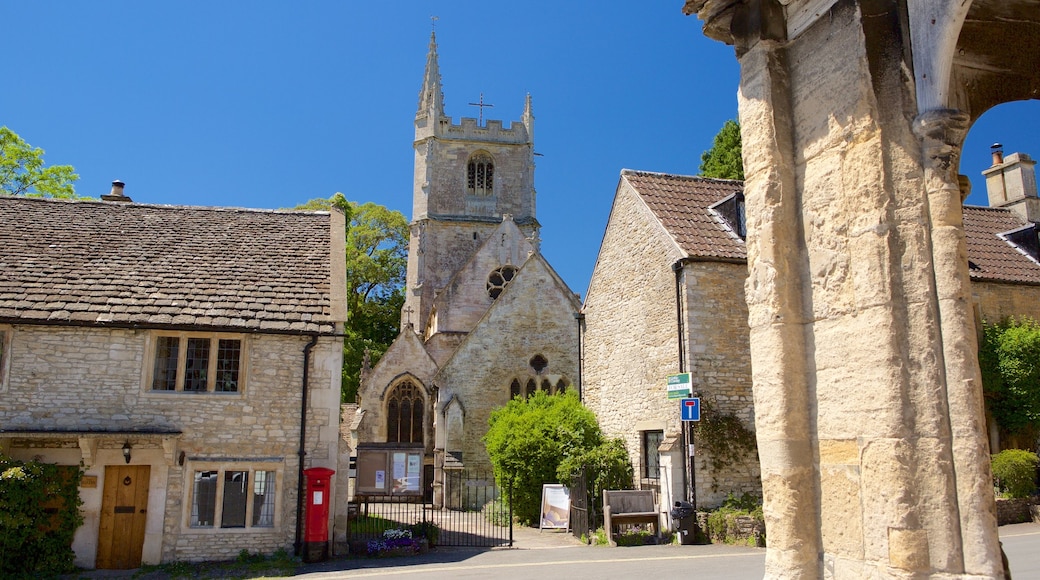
942 132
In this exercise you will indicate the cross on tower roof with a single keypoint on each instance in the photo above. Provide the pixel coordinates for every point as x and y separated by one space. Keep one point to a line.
408 315
481 104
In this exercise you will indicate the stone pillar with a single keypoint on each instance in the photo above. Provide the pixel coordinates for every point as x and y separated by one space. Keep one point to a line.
942 133
862 342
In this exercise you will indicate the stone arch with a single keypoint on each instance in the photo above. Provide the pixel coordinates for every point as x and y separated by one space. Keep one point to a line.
403 377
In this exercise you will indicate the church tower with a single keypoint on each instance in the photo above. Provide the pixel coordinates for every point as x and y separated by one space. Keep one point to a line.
468 178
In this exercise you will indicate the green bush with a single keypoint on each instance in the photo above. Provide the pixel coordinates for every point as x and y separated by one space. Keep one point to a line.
722 523
496 512
1014 472
528 439
39 514
428 530
1009 357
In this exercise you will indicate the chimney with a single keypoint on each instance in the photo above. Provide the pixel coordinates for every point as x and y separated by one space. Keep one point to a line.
1011 183
117 194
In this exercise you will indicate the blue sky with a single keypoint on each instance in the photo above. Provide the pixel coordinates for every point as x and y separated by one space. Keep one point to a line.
268 104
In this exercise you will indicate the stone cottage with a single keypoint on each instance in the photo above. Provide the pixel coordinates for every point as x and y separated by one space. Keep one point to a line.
668 292
672 257
170 351
486 318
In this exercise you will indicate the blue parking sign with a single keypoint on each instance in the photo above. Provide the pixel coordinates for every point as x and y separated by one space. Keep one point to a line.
691 409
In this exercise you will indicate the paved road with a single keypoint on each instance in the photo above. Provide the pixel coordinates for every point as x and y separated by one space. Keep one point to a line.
557 557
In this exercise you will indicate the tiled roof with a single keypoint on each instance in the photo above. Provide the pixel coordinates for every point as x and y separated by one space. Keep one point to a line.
682 204
98 263
991 257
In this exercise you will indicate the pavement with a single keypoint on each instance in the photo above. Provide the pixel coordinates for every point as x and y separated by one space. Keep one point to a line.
553 554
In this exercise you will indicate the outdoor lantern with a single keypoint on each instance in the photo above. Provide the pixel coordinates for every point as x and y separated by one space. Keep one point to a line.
126 451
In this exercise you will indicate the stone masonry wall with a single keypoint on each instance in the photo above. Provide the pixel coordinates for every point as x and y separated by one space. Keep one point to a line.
998 301
93 379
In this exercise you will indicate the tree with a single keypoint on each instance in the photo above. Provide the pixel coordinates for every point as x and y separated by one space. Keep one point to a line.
1009 356
723 160
22 171
376 260
528 440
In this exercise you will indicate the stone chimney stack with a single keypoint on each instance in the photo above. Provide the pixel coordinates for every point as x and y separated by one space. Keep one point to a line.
1011 183
117 194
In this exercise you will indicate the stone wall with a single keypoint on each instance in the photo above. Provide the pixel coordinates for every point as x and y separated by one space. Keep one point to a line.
81 379
997 301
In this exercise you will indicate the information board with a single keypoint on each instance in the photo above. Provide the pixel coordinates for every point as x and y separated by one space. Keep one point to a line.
556 507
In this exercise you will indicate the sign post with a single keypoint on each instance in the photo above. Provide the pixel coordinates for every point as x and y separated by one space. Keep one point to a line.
690 413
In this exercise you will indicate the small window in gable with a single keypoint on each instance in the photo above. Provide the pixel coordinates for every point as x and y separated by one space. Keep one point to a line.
480 175
498 279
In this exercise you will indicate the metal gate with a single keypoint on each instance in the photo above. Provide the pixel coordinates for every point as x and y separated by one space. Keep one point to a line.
475 513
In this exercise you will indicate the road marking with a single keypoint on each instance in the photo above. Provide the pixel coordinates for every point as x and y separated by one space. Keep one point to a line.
1002 536
428 568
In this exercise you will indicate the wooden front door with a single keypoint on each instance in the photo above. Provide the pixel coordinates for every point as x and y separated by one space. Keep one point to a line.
124 510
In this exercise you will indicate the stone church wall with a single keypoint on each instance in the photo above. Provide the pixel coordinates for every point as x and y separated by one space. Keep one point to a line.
998 301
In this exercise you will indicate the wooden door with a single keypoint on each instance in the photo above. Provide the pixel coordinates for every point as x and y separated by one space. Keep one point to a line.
124 510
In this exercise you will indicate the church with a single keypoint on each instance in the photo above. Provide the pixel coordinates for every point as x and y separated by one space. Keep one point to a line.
485 318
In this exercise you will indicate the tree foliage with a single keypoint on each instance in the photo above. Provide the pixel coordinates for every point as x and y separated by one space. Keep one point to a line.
39 514
723 160
528 440
1009 356
22 171
376 260
1014 472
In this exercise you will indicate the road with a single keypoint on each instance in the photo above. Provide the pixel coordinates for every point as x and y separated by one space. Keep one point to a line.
543 559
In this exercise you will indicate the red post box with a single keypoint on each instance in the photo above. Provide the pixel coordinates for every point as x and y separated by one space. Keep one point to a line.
319 497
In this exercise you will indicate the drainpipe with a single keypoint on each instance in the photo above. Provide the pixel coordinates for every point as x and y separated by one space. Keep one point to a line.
580 318
298 544
689 468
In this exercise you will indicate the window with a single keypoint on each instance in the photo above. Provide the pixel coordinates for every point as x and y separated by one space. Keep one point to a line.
233 497
195 363
480 175
5 358
498 280
514 389
651 455
404 414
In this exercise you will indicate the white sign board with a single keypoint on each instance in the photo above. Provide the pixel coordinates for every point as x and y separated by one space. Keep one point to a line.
556 507
680 386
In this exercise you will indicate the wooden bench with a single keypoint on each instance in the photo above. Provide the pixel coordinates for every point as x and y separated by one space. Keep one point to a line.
630 506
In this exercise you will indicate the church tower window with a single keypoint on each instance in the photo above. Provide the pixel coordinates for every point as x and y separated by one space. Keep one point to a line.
498 279
480 175
404 414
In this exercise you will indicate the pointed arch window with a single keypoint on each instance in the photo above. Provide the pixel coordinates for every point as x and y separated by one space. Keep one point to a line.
404 414
480 175
514 389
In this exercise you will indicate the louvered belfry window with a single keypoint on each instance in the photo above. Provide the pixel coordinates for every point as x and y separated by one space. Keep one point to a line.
480 175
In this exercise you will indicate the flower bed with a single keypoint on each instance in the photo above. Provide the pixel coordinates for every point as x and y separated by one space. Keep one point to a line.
396 543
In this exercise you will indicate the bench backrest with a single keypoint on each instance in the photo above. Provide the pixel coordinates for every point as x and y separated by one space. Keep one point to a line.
629 501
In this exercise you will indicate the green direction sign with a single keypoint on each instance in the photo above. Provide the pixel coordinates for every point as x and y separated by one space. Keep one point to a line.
679 386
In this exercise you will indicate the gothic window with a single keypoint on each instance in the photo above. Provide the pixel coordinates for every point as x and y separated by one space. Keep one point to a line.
561 386
480 175
530 388
514 389
498 280
546 387
404 414
538 363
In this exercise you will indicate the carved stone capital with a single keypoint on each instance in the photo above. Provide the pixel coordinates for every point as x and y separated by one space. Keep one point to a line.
942 132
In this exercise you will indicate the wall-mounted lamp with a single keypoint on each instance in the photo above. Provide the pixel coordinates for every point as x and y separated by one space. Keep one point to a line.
126 451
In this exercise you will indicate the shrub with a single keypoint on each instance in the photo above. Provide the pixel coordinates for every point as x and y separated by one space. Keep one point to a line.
1014 472
607 466
723 523
428 530
527 440
1009 357
39 513
496 512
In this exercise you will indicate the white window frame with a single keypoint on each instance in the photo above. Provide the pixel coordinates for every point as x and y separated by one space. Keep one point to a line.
182 354
222 467
6 338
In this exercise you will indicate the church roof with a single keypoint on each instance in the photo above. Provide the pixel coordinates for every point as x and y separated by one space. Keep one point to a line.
683 203
122 264
990 256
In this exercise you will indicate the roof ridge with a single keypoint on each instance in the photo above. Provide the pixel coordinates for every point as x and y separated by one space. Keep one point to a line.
169 206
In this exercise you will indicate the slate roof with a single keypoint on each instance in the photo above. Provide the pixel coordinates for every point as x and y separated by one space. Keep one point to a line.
130 264
990 257
682 202
682 205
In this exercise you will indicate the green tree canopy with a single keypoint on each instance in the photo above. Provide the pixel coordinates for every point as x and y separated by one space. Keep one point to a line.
529 439
723 160
22 171
376 260
1009 356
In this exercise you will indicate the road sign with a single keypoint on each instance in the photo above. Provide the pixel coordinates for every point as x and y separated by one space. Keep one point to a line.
679 386
691 409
